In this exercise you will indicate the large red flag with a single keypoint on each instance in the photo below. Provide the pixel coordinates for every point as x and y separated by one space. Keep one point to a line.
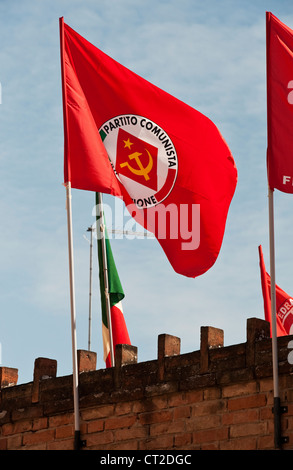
126 137
284 302
279 104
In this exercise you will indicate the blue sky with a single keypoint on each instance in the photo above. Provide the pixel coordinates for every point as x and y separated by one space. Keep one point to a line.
210 55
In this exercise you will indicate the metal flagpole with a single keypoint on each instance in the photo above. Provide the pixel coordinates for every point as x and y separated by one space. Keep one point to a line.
278 410
90 229
102 234
77 441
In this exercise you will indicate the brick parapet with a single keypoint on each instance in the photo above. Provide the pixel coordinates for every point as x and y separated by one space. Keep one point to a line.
218 397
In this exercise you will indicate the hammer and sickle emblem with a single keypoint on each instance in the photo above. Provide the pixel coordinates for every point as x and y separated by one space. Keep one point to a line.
142 171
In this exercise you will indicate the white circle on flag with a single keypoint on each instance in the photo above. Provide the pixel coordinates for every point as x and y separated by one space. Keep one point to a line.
142 156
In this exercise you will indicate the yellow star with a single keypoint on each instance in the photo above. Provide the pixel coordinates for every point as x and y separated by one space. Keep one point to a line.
127 143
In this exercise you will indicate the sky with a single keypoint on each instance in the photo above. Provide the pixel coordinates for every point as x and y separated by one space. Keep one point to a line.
212 56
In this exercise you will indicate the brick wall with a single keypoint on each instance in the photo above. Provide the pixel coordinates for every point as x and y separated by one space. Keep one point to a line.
216 398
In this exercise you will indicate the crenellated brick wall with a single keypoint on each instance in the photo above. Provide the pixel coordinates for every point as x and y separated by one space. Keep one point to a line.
217 398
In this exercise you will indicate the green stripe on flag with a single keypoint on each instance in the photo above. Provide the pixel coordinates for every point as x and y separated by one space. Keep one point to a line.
115 288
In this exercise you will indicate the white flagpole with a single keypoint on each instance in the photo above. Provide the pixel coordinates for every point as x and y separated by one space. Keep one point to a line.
277 407
277 410
73 319
102 234
90 229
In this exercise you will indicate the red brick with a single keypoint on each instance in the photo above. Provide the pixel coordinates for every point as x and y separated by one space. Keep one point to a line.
14 442
242 416
67 444
239 389
38 437
182 440
42 446
120 422
177 399
168 346
266 442
40 423
203 422
123 408
18 427
194 396
209 338
209 446
266 385
60 420
136 432
248 443
86 360
211 393
125 354
100 438
8 376
3 444
247 429
162 442
211 435
252 401
95 426
266 413
64 431
156 417
208 407
99 412
27 413
129 445
151 404
44 368
167 428
182 412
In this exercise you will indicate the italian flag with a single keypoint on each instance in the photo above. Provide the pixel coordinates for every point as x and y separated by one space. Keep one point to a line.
119 329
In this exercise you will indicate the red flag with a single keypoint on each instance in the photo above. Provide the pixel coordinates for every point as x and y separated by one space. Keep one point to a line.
279 104
284 303
126 137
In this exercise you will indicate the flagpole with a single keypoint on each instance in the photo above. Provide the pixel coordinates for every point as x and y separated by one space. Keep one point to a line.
90 229
77 441
106 279
277 406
